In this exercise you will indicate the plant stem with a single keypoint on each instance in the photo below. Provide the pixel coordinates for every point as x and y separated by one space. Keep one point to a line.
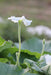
43 50
19 38
43 47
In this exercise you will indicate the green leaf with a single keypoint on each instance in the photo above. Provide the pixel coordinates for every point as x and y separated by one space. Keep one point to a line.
28 56
33 45
4 60
42 61
31 64
11 50
47 69
6 69
5 45
48 46
31 73
31 53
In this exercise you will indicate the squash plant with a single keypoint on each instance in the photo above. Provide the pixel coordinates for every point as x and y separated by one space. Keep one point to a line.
29 58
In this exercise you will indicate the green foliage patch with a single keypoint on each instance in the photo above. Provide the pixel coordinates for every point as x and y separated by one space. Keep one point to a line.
29 58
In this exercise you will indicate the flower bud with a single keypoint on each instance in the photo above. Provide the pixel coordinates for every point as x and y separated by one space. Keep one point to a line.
43 41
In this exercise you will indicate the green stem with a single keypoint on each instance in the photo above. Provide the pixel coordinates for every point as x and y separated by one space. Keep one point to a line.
43 49
19 38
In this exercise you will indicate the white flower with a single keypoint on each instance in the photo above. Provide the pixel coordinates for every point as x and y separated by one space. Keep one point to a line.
47 58
23 19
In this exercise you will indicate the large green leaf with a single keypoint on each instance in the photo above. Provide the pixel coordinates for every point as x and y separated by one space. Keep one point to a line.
31 73
48 46
34 46
6 69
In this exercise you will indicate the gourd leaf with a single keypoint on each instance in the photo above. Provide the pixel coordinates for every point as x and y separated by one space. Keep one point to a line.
6 69
34 46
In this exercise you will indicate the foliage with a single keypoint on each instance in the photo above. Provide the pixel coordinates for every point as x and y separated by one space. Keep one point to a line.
29 58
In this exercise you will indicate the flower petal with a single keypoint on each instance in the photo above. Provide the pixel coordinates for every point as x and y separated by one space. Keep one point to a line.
25 21
14 19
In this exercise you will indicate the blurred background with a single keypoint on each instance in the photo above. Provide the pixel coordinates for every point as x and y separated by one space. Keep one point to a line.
39 11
